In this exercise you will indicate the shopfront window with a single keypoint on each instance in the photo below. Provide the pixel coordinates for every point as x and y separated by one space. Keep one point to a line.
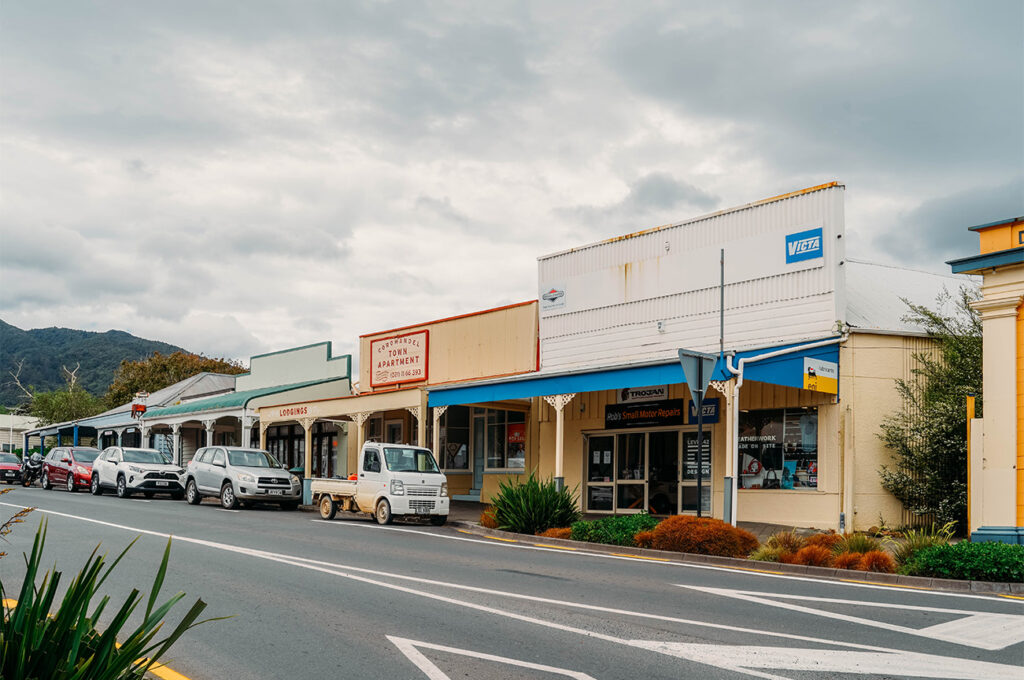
505 440
454 438
779 449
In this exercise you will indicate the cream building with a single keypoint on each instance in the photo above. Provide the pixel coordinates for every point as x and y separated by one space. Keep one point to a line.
996 482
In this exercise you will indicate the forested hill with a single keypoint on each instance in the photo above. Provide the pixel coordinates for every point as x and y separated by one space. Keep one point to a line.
45 350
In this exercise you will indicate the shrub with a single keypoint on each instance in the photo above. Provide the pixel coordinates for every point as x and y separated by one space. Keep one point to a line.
533 505
769 553
487 520
916 540
788 541
703 536
848 560
814 555
877 560
858 543
614 529
826 540
35 643
643 539
560 532
972 561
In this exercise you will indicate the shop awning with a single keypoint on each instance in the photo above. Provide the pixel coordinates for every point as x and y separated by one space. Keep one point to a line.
786 370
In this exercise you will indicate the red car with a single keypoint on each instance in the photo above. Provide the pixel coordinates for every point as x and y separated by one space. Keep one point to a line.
10 468
69 466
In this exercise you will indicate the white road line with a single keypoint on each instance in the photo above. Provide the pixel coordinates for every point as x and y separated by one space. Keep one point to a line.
964 669
226 510
138 500
584 552
410 649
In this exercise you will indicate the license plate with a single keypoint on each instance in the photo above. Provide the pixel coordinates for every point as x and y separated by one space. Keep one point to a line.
276 492
422 511
162 483
8 474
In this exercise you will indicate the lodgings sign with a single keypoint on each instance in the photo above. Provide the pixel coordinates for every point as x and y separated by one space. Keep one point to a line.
399 359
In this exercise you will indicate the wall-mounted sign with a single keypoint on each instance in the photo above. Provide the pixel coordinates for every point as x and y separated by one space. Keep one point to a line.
399 359
821 376
710 411
517 433
653 414
552 297
690 456
804 245
293 411
633 395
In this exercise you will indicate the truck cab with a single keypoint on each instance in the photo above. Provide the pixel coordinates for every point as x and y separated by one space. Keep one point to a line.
392 480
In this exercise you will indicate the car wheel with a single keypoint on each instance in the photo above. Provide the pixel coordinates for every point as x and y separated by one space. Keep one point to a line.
228 501
439 520
383 512
94 486
69 484
122 487
45 482
328 508
192 493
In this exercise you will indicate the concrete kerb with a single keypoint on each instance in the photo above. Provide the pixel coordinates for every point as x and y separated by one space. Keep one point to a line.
898 580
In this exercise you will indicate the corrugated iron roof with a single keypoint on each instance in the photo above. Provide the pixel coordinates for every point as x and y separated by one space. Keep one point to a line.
230 400
875 294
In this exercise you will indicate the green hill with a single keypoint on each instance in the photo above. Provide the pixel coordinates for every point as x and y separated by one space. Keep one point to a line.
45 350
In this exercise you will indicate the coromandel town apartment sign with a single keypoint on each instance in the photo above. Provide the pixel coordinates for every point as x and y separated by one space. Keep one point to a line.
399 359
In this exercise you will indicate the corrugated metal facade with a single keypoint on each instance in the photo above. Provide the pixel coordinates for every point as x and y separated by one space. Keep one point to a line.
616 292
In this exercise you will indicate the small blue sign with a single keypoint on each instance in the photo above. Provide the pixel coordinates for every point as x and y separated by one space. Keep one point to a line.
710 411
804 245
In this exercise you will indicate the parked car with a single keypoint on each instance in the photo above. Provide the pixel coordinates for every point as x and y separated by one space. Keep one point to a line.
238 476
69 466
127 470
10 468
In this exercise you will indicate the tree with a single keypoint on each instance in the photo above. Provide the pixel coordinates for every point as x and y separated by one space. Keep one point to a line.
161 370
61 405
929 436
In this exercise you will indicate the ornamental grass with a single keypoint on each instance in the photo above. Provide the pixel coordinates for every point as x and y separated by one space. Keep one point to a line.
533 505
859 543
848 560
614 529
702 536
788 541
877 560
826 540
559 532
487 519
913 541
814 556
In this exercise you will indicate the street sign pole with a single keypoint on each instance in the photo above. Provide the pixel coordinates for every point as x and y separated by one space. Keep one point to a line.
697 368
700 439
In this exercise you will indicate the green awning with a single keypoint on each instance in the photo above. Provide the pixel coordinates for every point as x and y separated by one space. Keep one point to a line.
230 400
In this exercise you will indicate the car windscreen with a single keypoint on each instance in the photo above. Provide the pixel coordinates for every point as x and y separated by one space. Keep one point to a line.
8 458
257 459
85 455
143 456
409 460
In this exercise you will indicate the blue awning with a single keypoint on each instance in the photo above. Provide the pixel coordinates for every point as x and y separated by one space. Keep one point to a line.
786 370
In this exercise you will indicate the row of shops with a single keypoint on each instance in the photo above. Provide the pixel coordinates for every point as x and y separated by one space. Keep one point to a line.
584 384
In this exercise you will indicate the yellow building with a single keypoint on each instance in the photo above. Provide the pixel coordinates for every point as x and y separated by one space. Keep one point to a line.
997 455
475 446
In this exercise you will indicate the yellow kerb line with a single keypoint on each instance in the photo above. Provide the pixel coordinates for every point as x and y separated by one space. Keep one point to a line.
758 571
463 531
1012 597
884 585
556 547
641 557
499 538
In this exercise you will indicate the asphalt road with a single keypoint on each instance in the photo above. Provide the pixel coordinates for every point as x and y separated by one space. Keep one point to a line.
346 598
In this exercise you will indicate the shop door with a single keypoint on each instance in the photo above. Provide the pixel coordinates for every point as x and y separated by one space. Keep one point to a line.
688 487
600 473
479 448
393 431
664 483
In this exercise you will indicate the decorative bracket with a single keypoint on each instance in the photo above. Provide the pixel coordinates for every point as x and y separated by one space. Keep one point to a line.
414 410
307 423
720 386
438 412
558 401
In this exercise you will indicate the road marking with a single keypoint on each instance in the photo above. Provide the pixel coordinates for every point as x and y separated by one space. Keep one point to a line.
850 583
642 557
411 650
983 630
226 510
1012 597
553 547
138 500
960 669
499 538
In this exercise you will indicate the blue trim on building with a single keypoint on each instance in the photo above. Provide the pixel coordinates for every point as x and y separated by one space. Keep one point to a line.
996 224
966 265
783 370
1011 535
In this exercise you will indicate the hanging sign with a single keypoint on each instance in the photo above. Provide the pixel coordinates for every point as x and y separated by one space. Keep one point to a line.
821 376
653 414
399 359
633 395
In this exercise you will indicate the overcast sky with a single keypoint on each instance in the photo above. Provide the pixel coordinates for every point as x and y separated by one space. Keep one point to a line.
240 177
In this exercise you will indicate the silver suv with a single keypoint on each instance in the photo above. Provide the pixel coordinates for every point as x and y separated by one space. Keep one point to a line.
239 476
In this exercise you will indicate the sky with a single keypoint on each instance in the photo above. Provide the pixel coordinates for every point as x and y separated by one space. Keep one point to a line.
243 177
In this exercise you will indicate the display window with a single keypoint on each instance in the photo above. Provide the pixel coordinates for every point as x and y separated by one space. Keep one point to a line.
505 439
454 438
779 449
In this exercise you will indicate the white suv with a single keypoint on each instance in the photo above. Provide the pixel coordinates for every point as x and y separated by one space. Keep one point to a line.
240 476
128 470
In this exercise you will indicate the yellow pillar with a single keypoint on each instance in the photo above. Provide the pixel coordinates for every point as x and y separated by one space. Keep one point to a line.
1020 415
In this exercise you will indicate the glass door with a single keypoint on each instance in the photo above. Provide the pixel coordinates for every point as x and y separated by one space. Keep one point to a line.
663 493
479 447
688 488
631 472
600 473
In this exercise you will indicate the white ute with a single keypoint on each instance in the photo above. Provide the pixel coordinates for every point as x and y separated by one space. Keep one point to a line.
393 480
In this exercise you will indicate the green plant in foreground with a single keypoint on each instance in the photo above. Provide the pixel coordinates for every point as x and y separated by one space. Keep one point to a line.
66 644
915 540
856 543
614 529
533 505
969 561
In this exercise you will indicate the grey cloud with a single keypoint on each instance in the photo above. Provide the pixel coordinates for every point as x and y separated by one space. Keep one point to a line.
936 230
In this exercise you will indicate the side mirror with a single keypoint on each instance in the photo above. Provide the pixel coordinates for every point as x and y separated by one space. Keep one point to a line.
65 459
219 463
